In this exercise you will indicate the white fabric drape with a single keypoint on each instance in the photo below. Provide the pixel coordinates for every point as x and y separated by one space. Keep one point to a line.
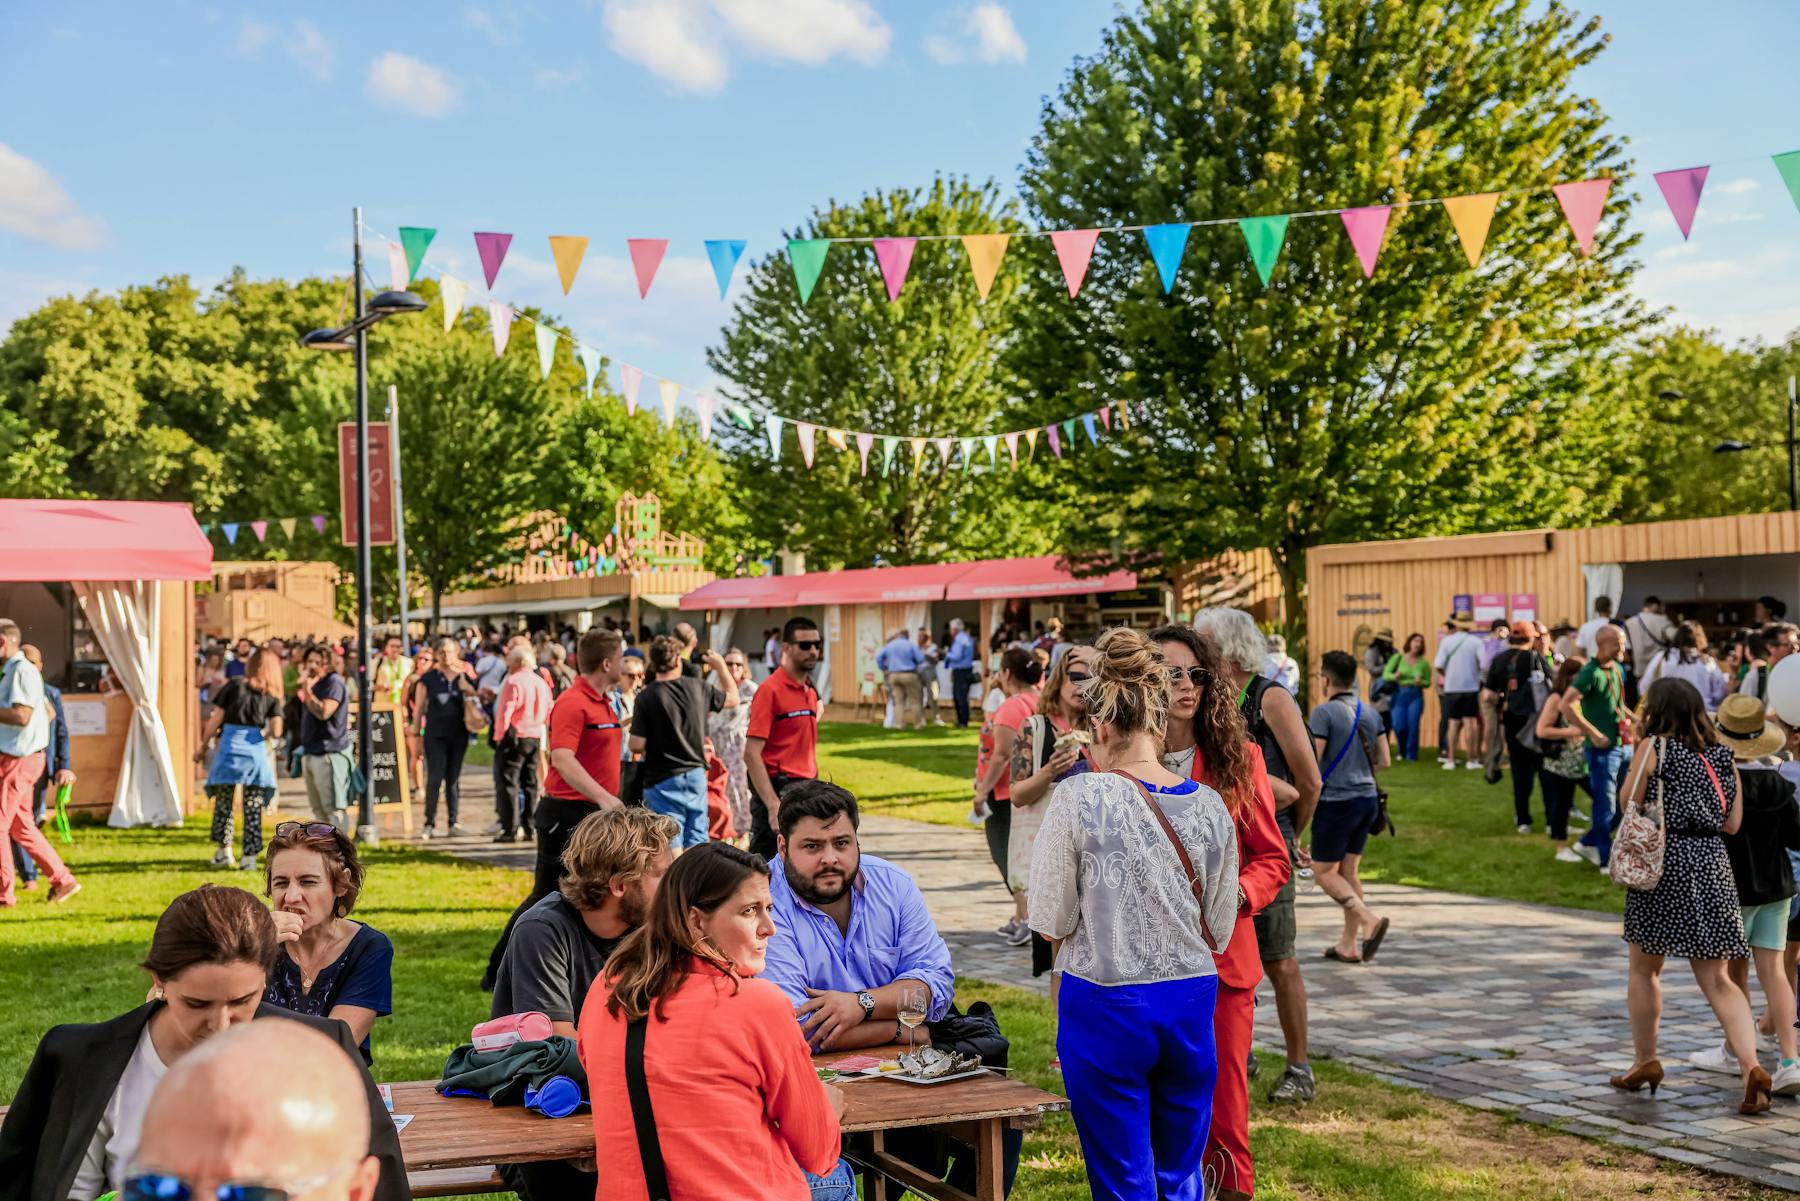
126 616
1602 579
718 634
834 630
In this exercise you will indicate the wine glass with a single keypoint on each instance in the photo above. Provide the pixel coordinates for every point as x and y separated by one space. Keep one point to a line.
911 1009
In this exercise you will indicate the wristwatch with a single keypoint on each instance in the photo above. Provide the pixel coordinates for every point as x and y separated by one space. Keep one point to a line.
868 1005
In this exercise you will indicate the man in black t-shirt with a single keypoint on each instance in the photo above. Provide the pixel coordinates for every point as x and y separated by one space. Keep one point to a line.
668 727
1510 678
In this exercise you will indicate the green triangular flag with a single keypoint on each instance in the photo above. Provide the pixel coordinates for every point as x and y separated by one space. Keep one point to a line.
206 528
808 259
1068 429
887 454
741 415
414 240
1264 236
1789 166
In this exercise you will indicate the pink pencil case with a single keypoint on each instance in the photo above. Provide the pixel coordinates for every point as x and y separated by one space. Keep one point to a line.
500 1033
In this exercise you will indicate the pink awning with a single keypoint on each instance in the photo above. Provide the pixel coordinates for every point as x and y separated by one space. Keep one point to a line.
61 540
746 592
993 579
877 585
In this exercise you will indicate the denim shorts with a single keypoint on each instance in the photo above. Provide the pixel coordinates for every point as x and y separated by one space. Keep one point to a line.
682 797
1341 828
1765 926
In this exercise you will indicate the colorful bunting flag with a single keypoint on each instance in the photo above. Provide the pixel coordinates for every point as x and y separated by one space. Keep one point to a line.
992 442
968 453
398 271
1264 236
1055 442
888 444
918 449
319 522
492 249
568 251
261 530
944 448
590 363
1471 216
415 239
1682 190
703 405
774 427
806 440
287 527
1068 433
1074 247
741 415
1031 442
455 292
1367 228
1087 423
1167 243
206 529
1582 203
807 257
863 443
231 529
500 322
1012 449
836 438
1106 416
546 348
646 257
1789 166
629 379
1125 415
724 253
985 252
895 257
671 393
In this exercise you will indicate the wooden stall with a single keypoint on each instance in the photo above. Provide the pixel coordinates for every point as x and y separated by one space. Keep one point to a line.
275 599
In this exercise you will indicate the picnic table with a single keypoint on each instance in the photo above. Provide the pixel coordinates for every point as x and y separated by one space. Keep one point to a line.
456 1139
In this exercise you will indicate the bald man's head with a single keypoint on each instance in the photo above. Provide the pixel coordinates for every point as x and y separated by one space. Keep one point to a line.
272 1102
33 656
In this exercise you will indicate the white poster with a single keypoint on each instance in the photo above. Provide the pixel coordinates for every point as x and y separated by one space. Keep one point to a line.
869 637
86 718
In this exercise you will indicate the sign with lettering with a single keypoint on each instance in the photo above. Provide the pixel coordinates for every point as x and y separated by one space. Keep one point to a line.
1489 608
387 770
1524 606
86 719
381 483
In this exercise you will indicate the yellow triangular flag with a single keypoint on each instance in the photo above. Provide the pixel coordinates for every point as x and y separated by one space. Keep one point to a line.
836 438
567 251
1124 414
1471 216
287 526
1031 442
918 445
455 292
985 253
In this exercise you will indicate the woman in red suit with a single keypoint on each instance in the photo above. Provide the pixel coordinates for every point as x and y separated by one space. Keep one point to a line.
1205 740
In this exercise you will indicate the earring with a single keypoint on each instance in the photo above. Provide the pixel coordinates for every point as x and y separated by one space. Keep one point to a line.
159 992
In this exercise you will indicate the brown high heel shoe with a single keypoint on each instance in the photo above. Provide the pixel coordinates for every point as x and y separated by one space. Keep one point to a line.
1651 1074
1756 1091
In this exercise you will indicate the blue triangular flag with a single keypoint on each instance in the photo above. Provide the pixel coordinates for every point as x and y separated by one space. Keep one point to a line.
590 362
1167 242
724 253
1087 423
230 528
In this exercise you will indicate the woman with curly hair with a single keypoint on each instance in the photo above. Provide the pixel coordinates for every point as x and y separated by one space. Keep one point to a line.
1206 741
1134 883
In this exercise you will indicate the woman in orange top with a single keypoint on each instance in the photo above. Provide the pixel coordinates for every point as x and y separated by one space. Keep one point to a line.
1205 740
738 1109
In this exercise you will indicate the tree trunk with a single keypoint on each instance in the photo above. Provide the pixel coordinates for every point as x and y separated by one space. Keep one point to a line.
437 605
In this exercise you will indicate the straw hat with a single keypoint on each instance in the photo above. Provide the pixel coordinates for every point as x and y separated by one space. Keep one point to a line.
1745 728
1462 619
1384 634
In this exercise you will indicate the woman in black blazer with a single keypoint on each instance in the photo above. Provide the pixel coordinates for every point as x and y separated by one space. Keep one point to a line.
73 1125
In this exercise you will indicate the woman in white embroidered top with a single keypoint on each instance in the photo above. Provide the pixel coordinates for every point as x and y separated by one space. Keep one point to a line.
1133 940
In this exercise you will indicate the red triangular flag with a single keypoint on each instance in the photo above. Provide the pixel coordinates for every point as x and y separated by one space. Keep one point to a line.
646 257
1074 247
1367 228
1582 204
1106 416
895 257
1682 190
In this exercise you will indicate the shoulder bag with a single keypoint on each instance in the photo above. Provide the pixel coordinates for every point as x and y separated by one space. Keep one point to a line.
643 1117
1637 854
1383 822
1181 853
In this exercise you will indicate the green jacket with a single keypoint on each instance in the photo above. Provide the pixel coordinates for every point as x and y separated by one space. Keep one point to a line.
1418 675
502 1076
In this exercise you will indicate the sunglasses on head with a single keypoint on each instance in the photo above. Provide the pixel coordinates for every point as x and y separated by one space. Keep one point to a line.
309 829
1195 675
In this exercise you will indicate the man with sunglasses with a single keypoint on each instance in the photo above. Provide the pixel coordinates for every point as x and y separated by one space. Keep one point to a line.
783 736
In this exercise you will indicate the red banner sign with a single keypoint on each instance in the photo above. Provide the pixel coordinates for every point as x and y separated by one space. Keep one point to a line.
381 483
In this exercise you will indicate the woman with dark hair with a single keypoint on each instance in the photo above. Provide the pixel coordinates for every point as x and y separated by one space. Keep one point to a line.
1409 672
1019 676
1692 913
73 1126
1206 741
1687 659
713 1060
1565 762
246 715
327 965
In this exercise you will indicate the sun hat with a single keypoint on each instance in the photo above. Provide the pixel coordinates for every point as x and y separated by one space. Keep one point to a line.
1462 619
1744 727
1563 626
1384 634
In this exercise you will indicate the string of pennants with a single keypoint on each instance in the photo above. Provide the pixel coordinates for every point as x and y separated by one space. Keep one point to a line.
262 528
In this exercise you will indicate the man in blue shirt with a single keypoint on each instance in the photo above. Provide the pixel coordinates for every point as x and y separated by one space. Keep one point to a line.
961 662
56 766
851 930
902 661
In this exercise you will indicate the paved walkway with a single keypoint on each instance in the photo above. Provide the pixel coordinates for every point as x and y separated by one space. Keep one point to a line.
1503 1006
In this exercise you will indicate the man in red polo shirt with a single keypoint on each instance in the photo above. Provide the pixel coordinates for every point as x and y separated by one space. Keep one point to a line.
784 730
585 736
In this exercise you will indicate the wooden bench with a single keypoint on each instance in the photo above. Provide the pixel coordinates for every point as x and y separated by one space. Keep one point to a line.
455 1182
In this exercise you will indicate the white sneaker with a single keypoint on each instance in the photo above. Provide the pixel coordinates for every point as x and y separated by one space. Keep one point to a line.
1787 1080
457 831
248 865
1715 1059
1473 765
1588 853
427 834
222 857
1524 827
1447 764
1567 855
493 828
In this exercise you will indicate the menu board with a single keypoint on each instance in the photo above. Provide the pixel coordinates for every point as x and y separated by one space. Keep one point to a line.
387 773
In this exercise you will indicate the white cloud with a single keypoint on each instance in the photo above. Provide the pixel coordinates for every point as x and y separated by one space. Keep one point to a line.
688 42
555 79
1737 187
986 35
33 205
304 43
253 36
400 81
500 31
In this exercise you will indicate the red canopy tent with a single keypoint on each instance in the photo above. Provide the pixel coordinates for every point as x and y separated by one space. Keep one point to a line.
101 540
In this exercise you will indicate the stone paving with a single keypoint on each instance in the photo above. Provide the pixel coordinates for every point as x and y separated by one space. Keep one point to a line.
1502 1006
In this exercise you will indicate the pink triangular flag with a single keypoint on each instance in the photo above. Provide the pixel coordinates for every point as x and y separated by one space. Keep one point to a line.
895 257
863 443
1682 190
1012 448
1367 228
399 270
500 318
1055 440
806 440
1106 416
646 257
318 523
492 249
260 529
945 446
703 405
1074 247
1582 204
629 379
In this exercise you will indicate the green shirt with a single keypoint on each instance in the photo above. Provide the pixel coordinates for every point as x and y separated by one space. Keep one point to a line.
1417 674
1602 692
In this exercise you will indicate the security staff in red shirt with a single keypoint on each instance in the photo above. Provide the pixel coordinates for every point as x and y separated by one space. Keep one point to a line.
783 735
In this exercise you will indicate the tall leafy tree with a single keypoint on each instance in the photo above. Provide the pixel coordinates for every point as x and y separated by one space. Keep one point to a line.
851 359
1323 407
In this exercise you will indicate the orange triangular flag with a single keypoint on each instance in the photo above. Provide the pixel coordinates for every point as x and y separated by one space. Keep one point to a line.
985 253
1471 215
567 250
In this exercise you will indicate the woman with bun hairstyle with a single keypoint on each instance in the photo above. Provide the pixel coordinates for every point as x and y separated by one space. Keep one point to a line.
1019 676
1206 741
1134 882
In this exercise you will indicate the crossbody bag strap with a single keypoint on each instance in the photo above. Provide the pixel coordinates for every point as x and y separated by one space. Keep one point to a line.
643 1117
1355 726
1368 754
1195 887
1724 805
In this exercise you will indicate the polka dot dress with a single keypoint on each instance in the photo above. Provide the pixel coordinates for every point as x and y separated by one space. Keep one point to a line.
1692 913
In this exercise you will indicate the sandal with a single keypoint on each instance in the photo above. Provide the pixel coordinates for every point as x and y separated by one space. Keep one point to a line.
1372 944
1331 953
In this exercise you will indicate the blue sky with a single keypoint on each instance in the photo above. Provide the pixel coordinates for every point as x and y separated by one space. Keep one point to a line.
144 140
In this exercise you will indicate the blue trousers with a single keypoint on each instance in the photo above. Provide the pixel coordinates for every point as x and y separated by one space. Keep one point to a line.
682 797
1603 780
1139 1063
1407 712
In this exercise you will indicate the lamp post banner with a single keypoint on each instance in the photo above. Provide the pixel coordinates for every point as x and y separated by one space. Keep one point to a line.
381 483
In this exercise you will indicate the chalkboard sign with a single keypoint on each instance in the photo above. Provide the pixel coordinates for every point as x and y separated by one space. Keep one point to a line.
387 769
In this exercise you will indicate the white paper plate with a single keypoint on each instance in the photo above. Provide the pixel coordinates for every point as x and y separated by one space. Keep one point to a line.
905 1078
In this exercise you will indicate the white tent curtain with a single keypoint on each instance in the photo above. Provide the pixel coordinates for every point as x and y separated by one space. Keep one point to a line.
718 634
1602 579
126 616
834 630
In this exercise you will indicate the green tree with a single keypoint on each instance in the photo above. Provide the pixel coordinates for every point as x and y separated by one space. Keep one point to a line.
1432 399
850 359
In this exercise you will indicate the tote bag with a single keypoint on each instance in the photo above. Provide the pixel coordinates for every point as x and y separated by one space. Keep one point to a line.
1637 854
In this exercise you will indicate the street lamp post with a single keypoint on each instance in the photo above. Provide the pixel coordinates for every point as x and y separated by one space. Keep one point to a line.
355 337
1732 446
